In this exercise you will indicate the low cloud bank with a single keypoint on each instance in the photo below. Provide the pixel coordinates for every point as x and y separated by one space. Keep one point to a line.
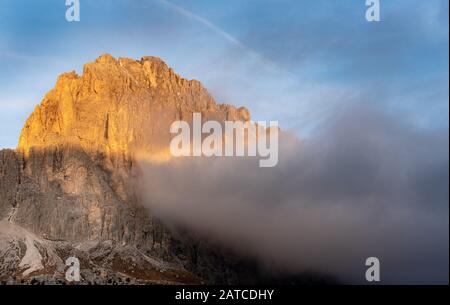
364 185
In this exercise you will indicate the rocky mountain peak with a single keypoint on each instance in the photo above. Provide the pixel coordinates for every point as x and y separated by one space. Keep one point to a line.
120 105
70 189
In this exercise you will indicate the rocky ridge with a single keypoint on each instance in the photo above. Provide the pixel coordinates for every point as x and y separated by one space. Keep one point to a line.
69 187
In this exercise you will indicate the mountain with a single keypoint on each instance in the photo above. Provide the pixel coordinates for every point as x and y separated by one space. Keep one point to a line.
69 189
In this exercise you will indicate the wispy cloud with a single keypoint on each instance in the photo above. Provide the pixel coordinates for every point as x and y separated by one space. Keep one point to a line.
230 38
367 185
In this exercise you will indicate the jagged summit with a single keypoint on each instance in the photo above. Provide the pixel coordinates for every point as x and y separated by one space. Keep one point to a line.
120 105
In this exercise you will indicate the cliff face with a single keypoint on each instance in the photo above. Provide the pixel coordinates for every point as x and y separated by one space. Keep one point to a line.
70 184
120 106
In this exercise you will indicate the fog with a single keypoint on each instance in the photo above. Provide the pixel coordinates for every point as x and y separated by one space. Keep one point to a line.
365 184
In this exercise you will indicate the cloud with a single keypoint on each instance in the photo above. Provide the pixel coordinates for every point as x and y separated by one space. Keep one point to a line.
365 185
233 40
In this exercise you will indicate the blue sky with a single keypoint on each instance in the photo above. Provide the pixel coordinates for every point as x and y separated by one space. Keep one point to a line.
295 61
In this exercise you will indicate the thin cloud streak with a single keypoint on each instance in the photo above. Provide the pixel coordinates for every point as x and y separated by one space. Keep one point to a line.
234 41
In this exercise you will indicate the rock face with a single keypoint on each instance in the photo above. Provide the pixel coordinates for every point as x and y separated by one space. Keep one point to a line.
120 106
70 187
